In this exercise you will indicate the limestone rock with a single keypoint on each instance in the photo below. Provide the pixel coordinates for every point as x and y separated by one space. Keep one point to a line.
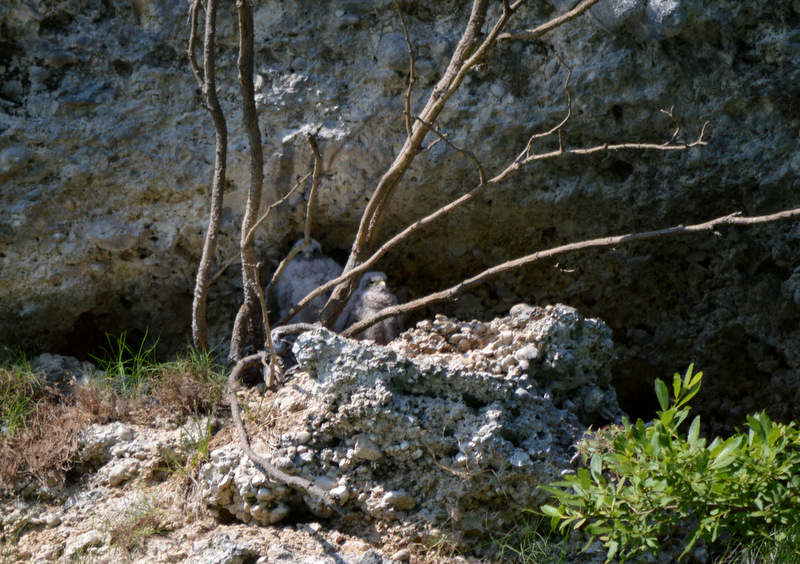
402 432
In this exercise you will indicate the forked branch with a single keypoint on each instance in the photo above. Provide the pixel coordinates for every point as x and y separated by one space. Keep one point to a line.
251 234
712 225
312 198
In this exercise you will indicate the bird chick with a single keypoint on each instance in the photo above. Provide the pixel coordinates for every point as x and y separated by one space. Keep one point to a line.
308 270
371 296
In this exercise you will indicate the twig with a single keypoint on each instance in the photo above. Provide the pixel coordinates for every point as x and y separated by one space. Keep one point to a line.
559 126
198 73
312 196
444 138
712 225
411 77
551 25
263 465
312 140
252 231
273 363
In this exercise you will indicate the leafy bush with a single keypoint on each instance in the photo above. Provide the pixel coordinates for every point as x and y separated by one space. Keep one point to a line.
644 481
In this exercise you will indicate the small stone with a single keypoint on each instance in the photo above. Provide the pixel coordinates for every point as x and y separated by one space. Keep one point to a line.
528 353
341 492
303 437
399 499
521 310
506 337
402 555
520 458
52 520
365 449
277 514
81 543
325 483
285 464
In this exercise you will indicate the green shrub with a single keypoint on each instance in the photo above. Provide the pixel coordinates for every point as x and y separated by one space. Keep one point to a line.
644 481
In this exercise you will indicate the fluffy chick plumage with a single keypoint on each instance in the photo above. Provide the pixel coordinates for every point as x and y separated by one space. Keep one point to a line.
306 272
371 296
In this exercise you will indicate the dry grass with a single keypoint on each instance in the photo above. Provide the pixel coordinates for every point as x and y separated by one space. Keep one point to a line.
135 524
41 426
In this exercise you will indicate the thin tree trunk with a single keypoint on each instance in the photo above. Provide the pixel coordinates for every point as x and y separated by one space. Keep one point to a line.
207 82
248 327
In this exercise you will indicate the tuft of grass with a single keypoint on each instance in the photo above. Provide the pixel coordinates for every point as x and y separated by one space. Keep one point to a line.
533 542
780 547
41 426
193 384
141 520
196 440
20 388
127 367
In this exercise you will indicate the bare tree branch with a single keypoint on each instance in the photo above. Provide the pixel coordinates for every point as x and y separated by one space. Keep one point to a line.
524 158
449 143
312 198
437 297
198 73
263 465
273 362
465 57
207 82
543 29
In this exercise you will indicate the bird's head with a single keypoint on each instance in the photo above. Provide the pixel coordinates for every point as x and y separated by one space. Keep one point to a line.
311 252
374 280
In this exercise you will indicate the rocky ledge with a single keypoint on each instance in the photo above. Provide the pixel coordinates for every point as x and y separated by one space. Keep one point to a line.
444 434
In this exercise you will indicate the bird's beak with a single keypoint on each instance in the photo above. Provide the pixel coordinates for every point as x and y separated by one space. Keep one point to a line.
306 255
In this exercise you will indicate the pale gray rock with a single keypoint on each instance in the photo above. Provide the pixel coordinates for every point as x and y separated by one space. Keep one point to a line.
113 233
220 549
81 543
613 14
396 428
60 369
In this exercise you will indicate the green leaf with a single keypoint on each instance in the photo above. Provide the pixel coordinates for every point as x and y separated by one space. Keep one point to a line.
694 431
677 386
662 394
551 511
597 465
613 547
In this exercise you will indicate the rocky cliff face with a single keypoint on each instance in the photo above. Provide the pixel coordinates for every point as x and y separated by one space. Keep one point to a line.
106 159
